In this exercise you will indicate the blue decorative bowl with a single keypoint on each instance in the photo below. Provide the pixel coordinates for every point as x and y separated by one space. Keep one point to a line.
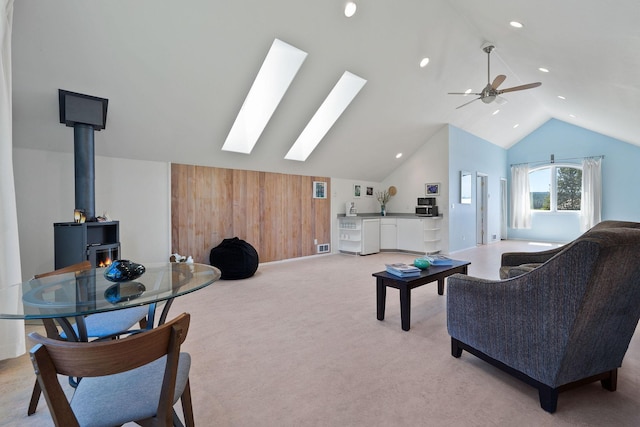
123 270
421 263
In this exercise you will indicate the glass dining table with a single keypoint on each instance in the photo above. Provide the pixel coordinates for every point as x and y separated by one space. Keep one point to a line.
71 296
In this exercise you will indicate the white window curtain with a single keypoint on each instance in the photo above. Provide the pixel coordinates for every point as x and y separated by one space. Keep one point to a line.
591 201
520 199
12 340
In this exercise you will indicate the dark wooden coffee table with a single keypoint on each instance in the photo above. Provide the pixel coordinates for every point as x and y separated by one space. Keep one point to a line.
405 284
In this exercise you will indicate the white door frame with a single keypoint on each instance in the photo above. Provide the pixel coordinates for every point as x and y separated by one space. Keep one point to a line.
481 208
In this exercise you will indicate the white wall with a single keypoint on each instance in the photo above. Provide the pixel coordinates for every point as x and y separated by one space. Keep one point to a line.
430 164
342 191
136 193
470 153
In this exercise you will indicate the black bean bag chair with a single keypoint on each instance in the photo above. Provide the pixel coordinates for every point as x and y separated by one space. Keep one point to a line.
235 258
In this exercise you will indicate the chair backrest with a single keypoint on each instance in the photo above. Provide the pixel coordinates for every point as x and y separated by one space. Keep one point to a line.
74 268
607 308
90 359
49 324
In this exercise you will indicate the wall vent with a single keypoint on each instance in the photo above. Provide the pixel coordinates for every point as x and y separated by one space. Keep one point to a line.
323 248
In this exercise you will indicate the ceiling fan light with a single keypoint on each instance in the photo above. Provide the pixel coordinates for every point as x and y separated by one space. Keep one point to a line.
350 9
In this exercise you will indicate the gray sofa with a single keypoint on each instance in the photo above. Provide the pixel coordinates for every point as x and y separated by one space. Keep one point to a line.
515 263
564 323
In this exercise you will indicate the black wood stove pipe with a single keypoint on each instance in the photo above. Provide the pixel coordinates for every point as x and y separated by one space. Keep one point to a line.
85 174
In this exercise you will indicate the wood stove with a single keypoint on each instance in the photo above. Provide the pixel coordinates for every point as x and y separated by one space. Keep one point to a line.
97 242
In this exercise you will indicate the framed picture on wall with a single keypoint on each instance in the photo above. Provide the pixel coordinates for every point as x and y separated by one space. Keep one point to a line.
319 190
432 189
357 190
369 192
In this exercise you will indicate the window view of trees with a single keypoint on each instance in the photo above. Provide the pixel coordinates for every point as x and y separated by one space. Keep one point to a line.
556 188
569 188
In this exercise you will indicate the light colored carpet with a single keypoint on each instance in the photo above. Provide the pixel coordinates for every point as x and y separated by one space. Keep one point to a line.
299 344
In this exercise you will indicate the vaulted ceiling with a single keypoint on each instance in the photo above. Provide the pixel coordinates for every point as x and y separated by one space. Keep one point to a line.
177 73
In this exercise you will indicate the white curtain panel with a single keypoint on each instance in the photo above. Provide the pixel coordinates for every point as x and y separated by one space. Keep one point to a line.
591 202
12 341
520 199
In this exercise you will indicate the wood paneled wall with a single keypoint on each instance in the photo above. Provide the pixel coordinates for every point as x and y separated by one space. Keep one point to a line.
276 213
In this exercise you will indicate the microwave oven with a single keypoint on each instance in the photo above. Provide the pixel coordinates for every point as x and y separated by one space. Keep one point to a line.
424 210
426 201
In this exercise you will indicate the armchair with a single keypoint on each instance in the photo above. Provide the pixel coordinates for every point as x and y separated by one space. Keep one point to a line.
565 323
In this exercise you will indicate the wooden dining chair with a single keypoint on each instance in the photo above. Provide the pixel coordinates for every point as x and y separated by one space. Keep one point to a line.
138 378
98 326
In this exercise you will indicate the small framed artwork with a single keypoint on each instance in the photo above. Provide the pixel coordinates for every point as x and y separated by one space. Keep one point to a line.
319 190
432 189
369 192
357 190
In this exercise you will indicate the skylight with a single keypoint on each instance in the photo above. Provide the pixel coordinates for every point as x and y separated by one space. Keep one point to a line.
333 106
276 74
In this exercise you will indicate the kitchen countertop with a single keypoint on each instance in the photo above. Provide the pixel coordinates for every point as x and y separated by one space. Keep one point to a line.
388 215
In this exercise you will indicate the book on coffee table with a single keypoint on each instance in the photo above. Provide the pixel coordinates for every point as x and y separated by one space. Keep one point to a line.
402 270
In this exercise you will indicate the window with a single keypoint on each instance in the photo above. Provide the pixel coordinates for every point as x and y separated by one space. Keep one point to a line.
556 188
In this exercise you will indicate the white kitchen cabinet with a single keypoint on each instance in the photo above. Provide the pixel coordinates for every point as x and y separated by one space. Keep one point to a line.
411 234
370 236
367 235
388 234
359 236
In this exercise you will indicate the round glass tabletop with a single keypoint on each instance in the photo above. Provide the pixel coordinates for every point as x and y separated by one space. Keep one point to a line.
88 292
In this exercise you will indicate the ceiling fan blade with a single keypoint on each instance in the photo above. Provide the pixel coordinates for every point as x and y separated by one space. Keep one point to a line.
522 87
463 93
467 103
498 81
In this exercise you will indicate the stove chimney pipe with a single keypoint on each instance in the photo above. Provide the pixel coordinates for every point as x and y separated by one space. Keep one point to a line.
84 165
85 114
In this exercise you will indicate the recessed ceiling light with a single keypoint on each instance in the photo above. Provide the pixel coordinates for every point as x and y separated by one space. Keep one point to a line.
468 91
516 125
398 155
350 9
424 62
573 116
495 112
561 97
276 74
333 106
516 24
544 70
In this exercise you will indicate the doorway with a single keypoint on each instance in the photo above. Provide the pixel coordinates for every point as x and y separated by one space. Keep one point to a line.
481 208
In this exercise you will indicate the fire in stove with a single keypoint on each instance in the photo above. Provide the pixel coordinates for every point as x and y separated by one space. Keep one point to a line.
106 263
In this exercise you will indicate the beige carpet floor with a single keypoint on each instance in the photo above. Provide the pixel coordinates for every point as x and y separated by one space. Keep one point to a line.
299 344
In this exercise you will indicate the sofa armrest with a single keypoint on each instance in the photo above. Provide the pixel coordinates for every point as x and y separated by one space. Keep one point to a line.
519 258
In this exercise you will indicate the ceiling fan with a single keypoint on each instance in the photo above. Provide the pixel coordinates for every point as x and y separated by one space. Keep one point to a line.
491 92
